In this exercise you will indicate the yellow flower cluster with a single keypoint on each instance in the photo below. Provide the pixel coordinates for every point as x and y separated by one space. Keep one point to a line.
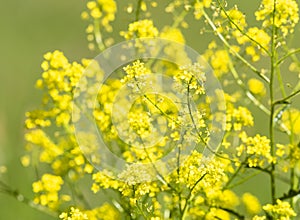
47 190
50 151
259 36
134 71
257 150
130 189
225 199
101 9
192 77
197 186
294 155
281 210
104 212
73 214
173 34
237 118
219 59
102 113
286 16
291 119
140 29
196 167
56 146
199 6
237 18
58 79
173 51
140 123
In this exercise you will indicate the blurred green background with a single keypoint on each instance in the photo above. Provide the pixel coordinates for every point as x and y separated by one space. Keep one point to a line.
30 28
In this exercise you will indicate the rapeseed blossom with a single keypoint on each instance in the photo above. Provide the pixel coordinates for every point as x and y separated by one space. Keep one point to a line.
198 184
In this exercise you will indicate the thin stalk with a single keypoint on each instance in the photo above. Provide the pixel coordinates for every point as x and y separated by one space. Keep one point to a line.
189 196
138 10
244 87
23 199
287 56
245 179
196 129
234 175
271 89
241 31
284 100
235 53
98 35
232 212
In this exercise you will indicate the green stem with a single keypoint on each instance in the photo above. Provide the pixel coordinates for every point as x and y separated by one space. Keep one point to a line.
183 211
271 121
232 212
245 179
196 129
179 19
98 35
290 194
138 10
287 56
244 87
23 199
285 100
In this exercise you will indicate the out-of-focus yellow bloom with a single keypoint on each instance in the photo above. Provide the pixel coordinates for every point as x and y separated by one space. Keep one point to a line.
199 6
139 29
251 203
256 87
291 119
103 10
173 34
47 190
104 212
25 161
236 118
219 62
259 36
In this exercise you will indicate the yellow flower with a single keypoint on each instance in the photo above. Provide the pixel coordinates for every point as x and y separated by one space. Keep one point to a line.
173 34
257 148
73 214
259 217
237 17
219 62
251 203
134 71
286 16
139 29
256 87
101 10
104 212
291 119
260 37
47 190
281 210
25 161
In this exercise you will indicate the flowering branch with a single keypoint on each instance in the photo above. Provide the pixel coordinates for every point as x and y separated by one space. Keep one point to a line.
262 76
